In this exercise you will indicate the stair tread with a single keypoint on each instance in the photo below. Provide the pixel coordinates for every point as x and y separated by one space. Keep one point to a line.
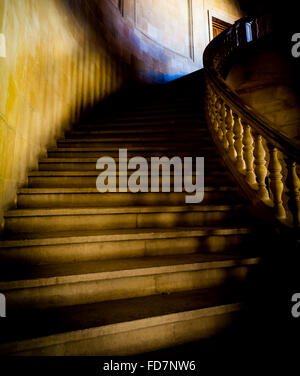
136 140
144 129
135 148
69 237
119 210
45 173
213 160
222 188
61 323
148 130
55 274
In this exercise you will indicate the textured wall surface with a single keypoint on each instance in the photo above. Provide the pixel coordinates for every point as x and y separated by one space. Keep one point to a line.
52 70
167 23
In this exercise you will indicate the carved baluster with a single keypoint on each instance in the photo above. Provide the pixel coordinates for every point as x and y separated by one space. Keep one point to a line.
218 122
260 167
229 134
293 185
213 99
223 125
215 114
248 152
209 102
276 184
238 142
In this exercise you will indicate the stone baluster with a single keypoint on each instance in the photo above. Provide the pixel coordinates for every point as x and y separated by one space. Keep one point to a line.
218 121
248 153
213 99
208 102
223 125
260 167
238 142
229 134
293 185
215 113
276 184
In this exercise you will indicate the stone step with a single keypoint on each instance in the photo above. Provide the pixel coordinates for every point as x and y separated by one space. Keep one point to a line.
155 145
193 150
187 110
140 133
145 122
84 219
143 138
151 130
80 246
58 285
151 115
144 128
47 179
87 197
212 165
121 327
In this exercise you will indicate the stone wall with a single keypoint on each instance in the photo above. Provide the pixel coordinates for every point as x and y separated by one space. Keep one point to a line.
52 70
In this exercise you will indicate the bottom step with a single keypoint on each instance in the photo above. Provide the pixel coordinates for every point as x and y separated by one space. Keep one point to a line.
122 327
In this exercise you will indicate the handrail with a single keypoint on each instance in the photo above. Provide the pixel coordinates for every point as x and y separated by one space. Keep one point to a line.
263 161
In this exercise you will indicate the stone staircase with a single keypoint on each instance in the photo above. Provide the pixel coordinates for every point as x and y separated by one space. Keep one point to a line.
89 273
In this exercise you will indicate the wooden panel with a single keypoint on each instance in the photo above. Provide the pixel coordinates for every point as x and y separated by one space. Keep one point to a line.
219 26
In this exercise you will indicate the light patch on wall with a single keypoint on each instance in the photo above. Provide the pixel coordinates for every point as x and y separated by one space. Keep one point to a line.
2 46
11 97
166 23
152 31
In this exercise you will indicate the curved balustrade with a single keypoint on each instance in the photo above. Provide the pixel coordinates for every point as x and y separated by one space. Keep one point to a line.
263 161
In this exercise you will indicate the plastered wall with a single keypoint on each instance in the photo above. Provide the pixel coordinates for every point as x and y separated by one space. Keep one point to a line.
52 70
166 38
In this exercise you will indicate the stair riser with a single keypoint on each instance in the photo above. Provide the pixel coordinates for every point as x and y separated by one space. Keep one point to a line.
121 288
157 112
137 340
142 123
209 166
122 221
133 130
118 136
135 144
147 145
90 181
156 119
50 200
68 253
144 115
169 152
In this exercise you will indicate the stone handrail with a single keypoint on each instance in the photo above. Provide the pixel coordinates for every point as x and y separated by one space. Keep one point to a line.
263 161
